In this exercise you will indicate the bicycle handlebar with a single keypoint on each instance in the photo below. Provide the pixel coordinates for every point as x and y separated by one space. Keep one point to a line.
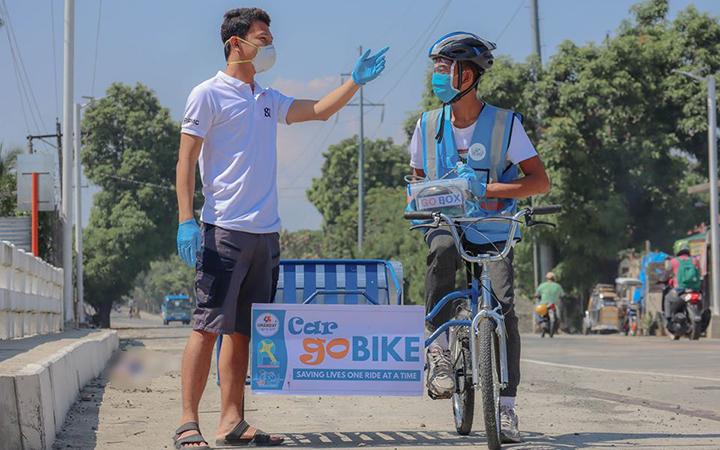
418 215
452 225
550 209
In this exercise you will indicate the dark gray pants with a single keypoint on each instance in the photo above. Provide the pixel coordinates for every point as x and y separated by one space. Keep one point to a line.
443 262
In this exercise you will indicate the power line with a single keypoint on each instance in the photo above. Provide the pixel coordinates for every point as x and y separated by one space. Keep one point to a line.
392 27
429 31
10 30
517 10
54 45
312 159
97 41
143 183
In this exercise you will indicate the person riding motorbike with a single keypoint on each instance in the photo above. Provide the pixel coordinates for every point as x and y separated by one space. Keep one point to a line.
683 274
547 293
484 144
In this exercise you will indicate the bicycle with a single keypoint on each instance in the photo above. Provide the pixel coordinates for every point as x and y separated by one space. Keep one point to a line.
477 334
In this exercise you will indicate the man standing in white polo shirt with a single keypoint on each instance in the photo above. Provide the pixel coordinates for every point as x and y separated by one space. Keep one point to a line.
230 127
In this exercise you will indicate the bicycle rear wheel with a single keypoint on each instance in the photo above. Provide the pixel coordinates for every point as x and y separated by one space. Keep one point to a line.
463 399
489 382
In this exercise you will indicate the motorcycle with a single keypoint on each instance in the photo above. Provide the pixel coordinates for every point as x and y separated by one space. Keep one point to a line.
547 318
631 323
687 317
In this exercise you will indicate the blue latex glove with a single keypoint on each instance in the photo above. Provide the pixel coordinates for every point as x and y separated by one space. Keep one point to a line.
188 241
477 187
367 67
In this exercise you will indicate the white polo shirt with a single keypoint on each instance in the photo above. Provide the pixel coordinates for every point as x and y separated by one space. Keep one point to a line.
238 161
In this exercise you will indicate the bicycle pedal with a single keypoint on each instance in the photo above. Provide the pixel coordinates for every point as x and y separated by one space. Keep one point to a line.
436 396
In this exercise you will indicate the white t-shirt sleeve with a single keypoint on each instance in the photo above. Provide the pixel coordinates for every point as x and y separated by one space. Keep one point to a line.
282 105
199 112
520 148
416 153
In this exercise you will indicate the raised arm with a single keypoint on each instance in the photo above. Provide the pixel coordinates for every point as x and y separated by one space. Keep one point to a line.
366 69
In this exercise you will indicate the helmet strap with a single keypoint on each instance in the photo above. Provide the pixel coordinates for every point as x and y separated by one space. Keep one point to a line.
441 129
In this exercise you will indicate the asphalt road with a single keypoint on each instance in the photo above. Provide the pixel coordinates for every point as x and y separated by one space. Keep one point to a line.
589 392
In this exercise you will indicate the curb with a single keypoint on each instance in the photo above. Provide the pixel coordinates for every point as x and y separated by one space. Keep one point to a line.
39 396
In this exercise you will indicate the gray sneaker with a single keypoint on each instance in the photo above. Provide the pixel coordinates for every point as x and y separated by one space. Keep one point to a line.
440 377
509 433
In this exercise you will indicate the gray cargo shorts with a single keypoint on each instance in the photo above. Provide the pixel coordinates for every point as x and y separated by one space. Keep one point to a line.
234 270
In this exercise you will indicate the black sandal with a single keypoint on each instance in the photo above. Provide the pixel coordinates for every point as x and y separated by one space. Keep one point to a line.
192 439
259 439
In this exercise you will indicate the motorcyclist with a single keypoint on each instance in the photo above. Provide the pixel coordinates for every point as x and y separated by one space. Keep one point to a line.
683 274
549 291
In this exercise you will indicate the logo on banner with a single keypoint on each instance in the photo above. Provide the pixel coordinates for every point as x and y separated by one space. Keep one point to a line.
266 354
477 152
267 325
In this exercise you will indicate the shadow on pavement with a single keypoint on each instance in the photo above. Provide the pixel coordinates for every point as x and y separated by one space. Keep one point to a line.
539 441
81 423
436 439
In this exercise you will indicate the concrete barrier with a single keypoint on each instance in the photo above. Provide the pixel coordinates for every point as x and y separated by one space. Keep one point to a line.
30 294
35 399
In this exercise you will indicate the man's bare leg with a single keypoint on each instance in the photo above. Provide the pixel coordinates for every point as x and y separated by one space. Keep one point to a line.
234 358
233 371
195 368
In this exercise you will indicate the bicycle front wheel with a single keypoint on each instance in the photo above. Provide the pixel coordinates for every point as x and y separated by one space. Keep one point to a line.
464 397
489 382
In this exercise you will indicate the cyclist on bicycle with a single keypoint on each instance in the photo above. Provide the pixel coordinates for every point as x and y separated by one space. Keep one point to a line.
485 144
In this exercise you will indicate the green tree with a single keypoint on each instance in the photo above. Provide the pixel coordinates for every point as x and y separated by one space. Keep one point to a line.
334 193
130 152
169 276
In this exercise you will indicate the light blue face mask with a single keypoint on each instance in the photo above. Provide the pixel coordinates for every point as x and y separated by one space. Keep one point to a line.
443 88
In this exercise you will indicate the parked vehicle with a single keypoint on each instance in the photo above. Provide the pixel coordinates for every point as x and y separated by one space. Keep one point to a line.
630 310
603 312
547 318
177 308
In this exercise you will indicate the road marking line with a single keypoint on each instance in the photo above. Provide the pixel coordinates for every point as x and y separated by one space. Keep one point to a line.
632 372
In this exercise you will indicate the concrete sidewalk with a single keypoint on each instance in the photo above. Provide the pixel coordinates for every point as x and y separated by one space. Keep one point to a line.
40 378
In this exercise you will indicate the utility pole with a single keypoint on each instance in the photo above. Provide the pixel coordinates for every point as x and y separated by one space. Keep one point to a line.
361 160
535 28
54 255
66 211
78 219
713 163
361 172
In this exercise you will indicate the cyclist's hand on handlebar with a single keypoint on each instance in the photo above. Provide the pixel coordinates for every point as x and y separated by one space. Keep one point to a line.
477 187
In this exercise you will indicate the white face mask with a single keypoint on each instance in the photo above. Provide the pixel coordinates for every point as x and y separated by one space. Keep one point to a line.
264 59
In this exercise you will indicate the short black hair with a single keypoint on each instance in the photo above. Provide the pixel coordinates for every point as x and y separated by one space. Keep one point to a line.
238 21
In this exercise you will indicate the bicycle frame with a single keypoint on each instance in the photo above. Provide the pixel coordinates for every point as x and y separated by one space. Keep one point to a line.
485 311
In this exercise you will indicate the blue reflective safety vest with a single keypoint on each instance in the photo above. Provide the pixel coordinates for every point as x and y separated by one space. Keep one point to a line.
486 155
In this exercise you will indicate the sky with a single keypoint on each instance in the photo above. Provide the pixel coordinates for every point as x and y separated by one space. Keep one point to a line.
173 45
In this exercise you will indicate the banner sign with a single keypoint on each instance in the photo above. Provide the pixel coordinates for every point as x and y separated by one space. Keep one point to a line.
337 349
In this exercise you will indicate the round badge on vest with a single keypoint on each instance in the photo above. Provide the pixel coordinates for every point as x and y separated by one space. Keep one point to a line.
477 152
